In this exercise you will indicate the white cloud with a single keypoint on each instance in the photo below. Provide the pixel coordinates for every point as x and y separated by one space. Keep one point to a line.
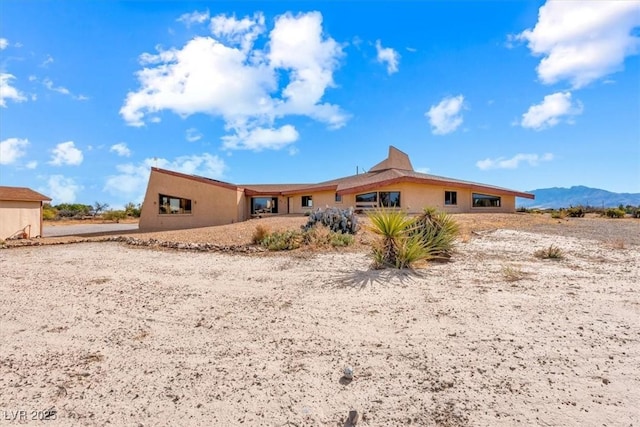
550 111
226 76
411 49
12 149
192 135
514 162
194 17
48 60
61 189
9 92
66 153
387 55
132 179
121 149
61 89
446 117
423 170
259 139
3 43
582 41
32 164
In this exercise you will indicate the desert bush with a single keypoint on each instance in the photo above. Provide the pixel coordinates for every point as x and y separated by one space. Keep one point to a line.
133 210
259 234
552 252
405 241
283 240
112 215
615 213
576 212
342 239
49 213
559 214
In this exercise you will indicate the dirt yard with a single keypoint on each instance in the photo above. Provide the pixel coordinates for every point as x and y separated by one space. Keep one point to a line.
107 334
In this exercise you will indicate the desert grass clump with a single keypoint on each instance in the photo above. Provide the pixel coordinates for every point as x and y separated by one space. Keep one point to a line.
512 273
259 234
552 252
559 214
405 241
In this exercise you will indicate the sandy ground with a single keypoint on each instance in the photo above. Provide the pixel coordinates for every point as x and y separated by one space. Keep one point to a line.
107 334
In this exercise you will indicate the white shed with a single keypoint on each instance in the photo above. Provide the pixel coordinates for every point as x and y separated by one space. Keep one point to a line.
20 212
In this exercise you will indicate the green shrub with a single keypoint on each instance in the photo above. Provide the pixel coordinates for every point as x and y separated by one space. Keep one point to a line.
49 213
576 212
552 252
341 239
615 213
559 214
114 215
437 231
283 240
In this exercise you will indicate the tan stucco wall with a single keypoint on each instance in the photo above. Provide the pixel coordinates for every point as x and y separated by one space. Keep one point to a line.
15 216
413 198
320 200
210 204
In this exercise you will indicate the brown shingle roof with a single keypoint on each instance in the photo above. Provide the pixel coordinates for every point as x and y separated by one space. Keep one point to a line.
395 169
196 178
22 194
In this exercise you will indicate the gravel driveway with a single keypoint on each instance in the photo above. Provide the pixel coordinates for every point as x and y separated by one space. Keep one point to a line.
74 230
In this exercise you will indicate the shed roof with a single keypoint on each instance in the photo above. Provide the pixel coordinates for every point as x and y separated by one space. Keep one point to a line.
22 194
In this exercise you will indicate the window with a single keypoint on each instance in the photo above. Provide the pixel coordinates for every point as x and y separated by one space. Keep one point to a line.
485 201
338 198
390 199
367 198
450 197
174 205
307 201
260 205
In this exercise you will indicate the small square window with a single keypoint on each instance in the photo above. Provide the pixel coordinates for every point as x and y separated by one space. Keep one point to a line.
451 198
338 198
307 201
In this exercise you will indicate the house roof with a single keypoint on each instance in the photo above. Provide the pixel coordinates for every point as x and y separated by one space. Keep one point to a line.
196 178
22 194
396 168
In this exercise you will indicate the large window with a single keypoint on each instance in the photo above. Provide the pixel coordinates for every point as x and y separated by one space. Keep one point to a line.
485 201
367 198
260 205
390 199
174 205
307 201
450 197
383 199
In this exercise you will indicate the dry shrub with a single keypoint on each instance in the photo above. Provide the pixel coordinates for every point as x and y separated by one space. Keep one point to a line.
552 252
512 273
617 244
260 233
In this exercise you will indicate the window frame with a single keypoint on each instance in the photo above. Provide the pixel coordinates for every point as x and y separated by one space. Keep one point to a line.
381 199
308 199
450 201
338 198
182 205
491 198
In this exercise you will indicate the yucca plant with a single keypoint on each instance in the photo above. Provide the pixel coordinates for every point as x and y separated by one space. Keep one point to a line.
391 225
437 231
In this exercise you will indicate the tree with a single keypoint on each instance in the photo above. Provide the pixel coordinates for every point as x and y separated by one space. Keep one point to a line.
98 208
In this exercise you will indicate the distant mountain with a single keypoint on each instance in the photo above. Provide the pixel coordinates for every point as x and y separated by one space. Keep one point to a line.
558 197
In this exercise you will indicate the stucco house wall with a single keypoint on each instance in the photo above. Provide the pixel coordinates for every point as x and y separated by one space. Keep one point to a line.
16 216
210 204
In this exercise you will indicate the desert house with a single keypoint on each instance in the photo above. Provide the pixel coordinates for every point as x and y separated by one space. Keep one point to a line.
20 212
175 200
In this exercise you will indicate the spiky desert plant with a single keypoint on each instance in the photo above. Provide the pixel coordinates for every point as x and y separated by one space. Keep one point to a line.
437 231
391 226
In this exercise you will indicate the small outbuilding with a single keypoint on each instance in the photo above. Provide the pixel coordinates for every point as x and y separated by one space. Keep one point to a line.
21 212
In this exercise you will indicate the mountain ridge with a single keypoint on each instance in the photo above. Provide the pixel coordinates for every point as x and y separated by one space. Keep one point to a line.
577 195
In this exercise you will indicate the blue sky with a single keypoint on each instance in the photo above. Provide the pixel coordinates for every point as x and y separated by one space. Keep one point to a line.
523 95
